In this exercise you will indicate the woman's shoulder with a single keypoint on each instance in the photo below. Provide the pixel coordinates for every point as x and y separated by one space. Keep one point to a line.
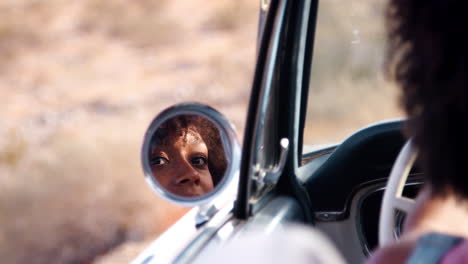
429 248
459 254
392 254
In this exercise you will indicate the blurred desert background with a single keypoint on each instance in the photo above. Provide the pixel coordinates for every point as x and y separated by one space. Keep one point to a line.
81 80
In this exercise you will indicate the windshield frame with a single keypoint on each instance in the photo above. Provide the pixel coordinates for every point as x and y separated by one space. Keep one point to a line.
288 30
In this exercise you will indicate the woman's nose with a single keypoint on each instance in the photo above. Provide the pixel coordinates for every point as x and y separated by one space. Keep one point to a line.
188 175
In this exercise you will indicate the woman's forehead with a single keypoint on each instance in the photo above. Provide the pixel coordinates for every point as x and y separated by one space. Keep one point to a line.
166 135
187 136
181 146
190 138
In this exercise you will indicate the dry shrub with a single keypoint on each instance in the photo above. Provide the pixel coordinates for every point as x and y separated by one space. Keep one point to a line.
13 147
18 31
229 15
27 24
79 191
141 22
226 16
78 196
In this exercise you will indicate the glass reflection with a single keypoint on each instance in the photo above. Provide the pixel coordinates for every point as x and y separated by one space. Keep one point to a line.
187 156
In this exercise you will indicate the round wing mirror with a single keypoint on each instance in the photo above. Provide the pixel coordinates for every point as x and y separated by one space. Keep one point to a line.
190 154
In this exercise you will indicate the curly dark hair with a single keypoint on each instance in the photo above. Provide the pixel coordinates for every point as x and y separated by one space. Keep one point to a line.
427 56
184 124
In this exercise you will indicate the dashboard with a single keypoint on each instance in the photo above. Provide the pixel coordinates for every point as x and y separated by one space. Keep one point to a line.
369 213
346 184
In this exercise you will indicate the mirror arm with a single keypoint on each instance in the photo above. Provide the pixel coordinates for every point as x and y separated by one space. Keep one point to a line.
204 214
266 179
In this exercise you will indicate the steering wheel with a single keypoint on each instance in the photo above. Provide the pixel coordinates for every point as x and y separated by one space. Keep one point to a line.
393 194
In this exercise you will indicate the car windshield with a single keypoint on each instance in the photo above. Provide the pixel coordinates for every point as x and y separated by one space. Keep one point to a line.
348 89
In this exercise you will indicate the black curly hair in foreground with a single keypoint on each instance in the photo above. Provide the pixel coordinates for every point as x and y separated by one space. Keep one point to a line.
427 56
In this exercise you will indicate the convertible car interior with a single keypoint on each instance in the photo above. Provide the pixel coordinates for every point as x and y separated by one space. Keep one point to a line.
347 184
278 176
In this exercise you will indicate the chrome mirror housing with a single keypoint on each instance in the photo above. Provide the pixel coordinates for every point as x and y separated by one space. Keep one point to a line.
190 154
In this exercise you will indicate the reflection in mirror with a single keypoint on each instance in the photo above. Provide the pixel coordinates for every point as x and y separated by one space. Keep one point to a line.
186 155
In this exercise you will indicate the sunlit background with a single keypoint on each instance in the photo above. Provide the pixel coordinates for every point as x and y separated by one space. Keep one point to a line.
348 88
81 80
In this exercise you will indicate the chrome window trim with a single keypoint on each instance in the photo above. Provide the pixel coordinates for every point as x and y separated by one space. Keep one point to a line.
205 234
277 212
268 81
255 162
190 239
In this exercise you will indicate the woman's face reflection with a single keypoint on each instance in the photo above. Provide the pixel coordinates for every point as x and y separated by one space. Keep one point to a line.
180 164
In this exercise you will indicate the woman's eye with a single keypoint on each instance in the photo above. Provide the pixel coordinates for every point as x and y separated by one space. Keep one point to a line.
199 161
158 161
